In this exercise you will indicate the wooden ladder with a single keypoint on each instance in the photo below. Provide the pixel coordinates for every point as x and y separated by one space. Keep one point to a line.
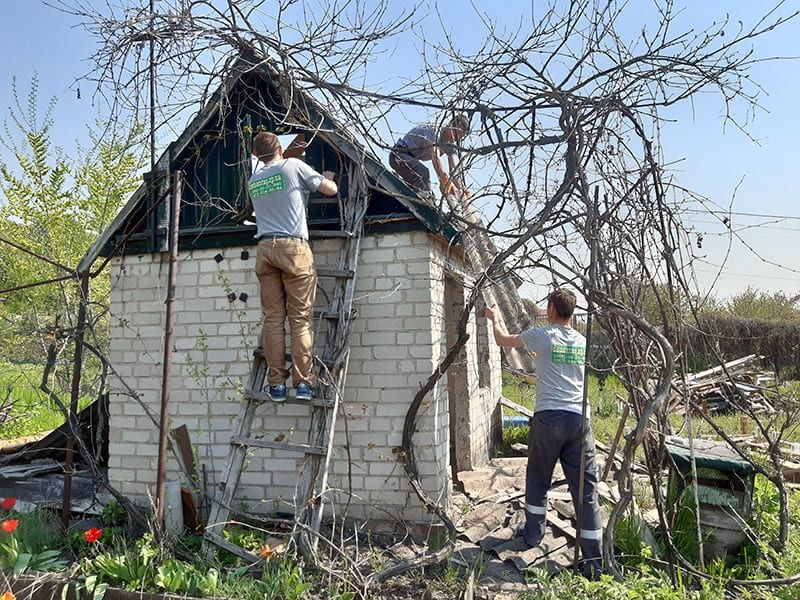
331 370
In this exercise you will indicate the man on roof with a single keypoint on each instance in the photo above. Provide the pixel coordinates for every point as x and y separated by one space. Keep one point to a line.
287 278
426 143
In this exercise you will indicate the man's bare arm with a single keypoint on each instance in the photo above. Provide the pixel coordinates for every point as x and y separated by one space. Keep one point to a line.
328 185
437 166
456 174
501 336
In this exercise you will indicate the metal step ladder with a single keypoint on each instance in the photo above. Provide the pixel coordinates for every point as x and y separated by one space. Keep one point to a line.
331 370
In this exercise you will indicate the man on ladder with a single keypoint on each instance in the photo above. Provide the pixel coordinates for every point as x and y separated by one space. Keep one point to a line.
556 428
287 278
426 143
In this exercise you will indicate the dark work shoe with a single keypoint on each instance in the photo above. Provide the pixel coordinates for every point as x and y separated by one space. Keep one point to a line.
277 393
530 540
593 569
303 391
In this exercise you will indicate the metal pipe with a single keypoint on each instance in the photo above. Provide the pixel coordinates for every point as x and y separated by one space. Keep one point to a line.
163 429
132 231
72 425
592 232
152 78
26 286
39 256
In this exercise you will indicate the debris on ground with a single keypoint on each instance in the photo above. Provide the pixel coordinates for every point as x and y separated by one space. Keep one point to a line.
715 391
489 514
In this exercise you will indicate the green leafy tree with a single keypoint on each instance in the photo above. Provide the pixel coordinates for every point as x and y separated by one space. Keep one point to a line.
754 304
54 204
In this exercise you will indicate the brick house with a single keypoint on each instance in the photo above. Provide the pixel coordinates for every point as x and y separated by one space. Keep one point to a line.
410 287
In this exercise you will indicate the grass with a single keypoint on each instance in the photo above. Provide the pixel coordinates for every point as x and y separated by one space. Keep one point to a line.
606 413
602 398
24 408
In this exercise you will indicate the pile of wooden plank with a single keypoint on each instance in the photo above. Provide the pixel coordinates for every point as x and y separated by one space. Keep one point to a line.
726 387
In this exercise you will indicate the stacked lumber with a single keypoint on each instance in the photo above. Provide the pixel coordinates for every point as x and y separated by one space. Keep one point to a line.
726 387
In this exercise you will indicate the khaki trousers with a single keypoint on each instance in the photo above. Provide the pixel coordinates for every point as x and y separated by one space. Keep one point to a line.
288 282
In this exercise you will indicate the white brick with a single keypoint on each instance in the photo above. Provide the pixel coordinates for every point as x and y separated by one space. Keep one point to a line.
416 323
389 381
391 352
381 325
396 269
195 304
422 296
380 255
412 253
380 366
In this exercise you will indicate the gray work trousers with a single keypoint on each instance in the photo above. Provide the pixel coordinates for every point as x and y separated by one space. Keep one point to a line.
556 435
411 170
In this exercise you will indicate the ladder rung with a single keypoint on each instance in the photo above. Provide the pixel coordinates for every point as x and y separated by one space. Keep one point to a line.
344 274
287 446
259 353
264 397
230 547
325 314
316 234
332 314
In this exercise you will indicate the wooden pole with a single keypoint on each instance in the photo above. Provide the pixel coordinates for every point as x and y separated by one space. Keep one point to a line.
613 450
72 422
163 429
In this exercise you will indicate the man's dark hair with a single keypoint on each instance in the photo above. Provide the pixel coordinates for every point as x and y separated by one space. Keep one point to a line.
460 122
266 146
563 302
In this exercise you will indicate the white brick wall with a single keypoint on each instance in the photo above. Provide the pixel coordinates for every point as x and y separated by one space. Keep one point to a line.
397 341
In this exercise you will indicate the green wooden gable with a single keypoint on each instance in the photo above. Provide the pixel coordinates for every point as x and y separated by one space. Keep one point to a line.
214 154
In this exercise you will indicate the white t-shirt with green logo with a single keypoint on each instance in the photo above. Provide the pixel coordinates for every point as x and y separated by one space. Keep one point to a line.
280 192
560 357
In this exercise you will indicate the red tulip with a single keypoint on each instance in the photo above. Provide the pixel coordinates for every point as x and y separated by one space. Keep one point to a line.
9 525
8 504
92 535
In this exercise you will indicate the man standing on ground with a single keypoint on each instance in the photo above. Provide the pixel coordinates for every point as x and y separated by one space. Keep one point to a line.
556 431
425 143
284 264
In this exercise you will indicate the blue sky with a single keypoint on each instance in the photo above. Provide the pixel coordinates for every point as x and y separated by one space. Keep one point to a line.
714 160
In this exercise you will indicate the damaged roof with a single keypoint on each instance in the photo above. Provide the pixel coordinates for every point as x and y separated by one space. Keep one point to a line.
214 153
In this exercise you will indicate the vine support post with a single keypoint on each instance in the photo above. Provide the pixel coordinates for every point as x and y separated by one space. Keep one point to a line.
163 429
73 427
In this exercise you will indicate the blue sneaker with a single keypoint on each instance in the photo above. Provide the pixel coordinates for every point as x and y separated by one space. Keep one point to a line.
303 391
277 393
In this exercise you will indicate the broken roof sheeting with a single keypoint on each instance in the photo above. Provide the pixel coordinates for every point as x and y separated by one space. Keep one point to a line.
381 177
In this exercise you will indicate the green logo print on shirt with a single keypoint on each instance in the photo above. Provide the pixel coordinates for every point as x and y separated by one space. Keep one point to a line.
262 187
568 355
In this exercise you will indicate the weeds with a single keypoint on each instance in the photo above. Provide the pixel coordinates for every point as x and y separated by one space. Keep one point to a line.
28 410
113 514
